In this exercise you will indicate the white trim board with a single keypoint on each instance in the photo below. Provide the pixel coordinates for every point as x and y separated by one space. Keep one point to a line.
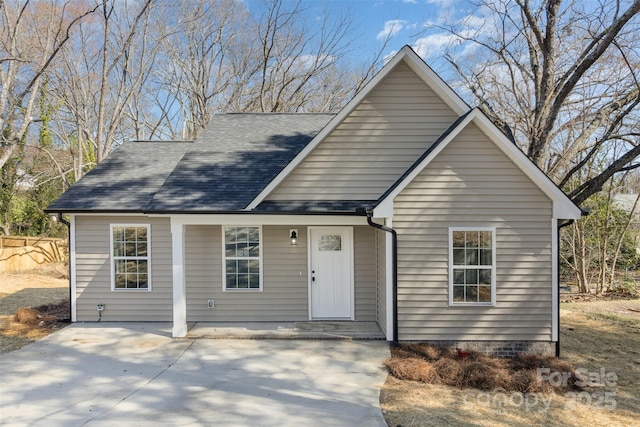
260 219
563 207
72 268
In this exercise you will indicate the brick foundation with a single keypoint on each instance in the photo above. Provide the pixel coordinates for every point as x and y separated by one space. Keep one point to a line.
501 348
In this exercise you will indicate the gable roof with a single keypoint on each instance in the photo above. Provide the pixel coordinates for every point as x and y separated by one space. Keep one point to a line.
225 168
563 207
239 159
422 70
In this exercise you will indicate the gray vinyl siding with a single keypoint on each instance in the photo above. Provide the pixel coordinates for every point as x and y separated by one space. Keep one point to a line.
374 145
285 279
285 294
381 254
285 275
472 183
365 273
93 272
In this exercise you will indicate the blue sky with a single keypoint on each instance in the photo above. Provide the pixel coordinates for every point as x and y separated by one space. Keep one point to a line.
404 21
411 22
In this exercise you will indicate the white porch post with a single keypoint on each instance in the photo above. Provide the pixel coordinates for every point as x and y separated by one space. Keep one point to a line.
72 268
179 292
389 280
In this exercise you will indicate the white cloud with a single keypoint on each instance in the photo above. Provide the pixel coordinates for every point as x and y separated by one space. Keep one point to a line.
410 1
434 44
388 57
443 11
306 62
473 21
442 3
391 28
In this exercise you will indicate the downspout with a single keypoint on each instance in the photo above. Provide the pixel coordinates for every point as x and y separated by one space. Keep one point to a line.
394 246
68 224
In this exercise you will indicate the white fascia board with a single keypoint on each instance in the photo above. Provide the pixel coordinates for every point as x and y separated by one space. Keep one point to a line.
563 207
384 209
435 82
424 72
261 219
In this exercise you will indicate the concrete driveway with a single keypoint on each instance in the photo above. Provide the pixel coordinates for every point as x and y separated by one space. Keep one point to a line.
135 374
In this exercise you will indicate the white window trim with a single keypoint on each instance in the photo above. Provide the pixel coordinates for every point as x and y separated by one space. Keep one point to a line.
147 258
493 266
224 260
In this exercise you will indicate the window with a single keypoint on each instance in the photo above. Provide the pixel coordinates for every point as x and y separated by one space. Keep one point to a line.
472 266
242 267
130 254
330 242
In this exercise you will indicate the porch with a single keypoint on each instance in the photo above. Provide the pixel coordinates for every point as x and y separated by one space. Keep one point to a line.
334 330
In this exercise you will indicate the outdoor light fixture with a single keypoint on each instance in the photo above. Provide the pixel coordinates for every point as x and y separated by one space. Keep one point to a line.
293 235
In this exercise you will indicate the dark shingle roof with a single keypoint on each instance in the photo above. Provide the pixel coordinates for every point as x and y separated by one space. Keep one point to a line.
230 163
234 159
126 181
315 206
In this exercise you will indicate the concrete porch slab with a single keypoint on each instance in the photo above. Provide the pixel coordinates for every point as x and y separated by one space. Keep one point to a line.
334 330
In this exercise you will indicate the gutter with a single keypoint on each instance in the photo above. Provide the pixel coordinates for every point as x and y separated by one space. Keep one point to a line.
201 212
394 242
68 224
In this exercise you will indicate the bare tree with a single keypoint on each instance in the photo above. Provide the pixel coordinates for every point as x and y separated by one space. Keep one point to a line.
202 39
565 77
117 55
32 34
293 55
219 57
98 78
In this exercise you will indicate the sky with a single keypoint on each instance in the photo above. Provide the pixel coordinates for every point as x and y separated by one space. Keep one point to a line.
402 21
405 22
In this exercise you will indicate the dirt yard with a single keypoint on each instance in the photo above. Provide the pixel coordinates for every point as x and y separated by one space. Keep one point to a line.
47 286
599 337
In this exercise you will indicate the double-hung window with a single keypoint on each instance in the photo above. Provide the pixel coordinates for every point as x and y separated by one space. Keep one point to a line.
130 257
242 254
472 272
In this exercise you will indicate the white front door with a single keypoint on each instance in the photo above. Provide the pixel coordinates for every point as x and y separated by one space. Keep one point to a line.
331 279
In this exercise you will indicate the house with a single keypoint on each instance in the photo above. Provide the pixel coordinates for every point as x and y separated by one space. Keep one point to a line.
292 217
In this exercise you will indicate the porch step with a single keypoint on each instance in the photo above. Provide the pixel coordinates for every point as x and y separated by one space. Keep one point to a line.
334 330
